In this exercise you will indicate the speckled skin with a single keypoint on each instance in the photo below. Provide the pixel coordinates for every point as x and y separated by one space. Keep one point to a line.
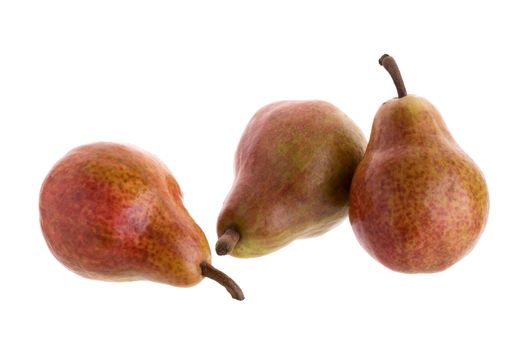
113 212
293 166
418 203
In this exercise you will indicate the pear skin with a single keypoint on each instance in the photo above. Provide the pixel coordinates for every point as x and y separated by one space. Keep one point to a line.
418 203
293 169
113 212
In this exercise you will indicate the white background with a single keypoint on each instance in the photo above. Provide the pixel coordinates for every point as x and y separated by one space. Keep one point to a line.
181 81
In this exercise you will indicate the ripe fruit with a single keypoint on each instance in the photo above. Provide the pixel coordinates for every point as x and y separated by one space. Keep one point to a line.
294 164
418 203
113 212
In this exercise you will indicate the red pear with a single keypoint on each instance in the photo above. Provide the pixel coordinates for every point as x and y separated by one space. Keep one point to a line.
418 203
113 212
293 168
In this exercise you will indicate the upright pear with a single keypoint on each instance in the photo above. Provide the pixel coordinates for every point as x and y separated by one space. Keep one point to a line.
418 203
113 212
293 168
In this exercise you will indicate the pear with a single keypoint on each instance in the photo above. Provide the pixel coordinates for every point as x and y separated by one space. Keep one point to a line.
293 169
418 203
113 212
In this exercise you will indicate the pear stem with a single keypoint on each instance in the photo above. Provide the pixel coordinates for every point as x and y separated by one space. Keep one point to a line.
220 277
390 65
227 242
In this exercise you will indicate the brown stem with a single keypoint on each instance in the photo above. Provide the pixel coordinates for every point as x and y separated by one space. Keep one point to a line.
223 279
227 242
391 66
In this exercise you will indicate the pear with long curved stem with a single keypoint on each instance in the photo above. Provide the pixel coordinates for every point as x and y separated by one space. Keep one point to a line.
418 203
114 212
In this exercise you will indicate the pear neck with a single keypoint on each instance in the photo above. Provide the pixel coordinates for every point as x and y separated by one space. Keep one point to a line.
411 121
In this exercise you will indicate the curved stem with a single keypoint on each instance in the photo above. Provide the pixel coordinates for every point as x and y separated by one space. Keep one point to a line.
220 277
227 242
391 66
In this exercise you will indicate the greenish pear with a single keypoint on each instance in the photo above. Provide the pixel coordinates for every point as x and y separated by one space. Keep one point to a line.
293 169
418 203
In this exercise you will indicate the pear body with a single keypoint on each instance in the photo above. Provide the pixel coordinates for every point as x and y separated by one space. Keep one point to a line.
114 212
293 168
418 203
